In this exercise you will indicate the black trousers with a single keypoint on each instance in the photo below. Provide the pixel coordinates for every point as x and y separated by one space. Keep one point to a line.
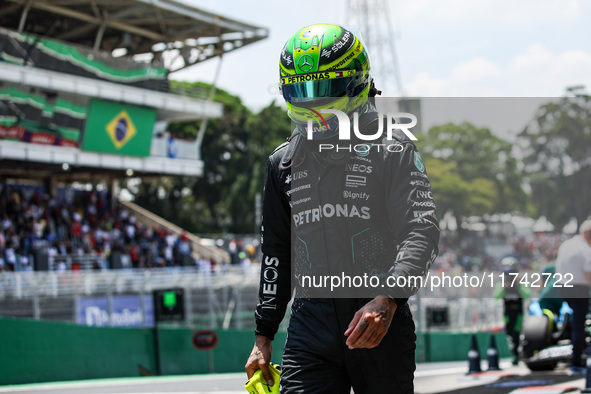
316 359
513 320
580 307
577 298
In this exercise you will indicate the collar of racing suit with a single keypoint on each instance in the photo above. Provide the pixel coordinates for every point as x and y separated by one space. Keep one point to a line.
368 122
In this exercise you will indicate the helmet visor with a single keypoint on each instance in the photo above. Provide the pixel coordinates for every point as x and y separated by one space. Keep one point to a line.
300 88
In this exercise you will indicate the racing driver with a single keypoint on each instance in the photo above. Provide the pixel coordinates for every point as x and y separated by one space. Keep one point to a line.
346 223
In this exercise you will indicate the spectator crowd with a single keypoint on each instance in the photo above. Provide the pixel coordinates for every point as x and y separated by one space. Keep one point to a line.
531 252
80 227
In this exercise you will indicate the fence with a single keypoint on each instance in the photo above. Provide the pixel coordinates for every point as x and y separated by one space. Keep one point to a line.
219 300
223 299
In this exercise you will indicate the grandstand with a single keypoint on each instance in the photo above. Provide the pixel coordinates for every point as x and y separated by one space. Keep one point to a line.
85 100
85 96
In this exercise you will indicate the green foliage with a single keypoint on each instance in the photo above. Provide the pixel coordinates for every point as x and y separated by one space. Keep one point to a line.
557 146
234 151
472 172
449 189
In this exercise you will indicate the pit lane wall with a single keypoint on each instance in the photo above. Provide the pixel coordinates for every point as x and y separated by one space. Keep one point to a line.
39 351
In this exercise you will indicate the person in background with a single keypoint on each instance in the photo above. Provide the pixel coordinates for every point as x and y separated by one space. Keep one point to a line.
512 293
573 266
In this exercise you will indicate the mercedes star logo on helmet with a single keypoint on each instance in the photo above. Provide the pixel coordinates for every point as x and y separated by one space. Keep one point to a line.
305 63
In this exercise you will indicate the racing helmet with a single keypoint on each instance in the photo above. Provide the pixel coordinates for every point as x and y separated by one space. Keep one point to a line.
324 66
509 264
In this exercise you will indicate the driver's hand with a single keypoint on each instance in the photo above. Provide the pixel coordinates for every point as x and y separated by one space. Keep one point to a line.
260 357
370 324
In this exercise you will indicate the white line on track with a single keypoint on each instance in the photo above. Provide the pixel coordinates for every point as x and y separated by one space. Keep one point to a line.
118 381
437 372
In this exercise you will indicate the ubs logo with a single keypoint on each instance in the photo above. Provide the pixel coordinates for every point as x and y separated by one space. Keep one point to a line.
299 175
296 175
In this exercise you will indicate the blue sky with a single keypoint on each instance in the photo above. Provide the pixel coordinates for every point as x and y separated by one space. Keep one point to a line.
452 48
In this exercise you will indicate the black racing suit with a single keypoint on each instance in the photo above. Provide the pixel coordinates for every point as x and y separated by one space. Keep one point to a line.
373 210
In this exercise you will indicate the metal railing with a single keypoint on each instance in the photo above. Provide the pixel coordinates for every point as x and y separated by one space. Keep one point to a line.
76 262
225 298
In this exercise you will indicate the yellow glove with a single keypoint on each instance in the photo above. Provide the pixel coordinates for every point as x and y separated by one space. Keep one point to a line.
257 385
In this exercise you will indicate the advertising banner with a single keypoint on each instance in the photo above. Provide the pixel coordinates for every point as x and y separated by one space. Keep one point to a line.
126 311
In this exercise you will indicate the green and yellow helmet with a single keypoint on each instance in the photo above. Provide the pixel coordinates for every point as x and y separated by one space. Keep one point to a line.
324 66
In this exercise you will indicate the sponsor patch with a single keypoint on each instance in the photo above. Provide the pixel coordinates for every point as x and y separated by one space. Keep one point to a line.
419 163
355 181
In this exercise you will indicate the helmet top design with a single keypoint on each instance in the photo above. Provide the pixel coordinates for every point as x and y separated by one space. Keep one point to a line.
323 66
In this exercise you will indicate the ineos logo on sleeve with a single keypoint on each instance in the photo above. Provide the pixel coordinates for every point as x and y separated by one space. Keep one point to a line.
270 275
269 279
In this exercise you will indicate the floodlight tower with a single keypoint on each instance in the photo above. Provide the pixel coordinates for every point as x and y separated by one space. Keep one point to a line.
377 29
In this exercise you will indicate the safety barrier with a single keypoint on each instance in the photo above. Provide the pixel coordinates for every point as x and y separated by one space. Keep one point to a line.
40 351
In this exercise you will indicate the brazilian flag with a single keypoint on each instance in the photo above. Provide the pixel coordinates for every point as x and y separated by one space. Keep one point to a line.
120 129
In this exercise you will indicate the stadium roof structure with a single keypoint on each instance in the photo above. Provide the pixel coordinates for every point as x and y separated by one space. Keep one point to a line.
60 57
189 35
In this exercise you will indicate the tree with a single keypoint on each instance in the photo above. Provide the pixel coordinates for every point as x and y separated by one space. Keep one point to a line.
234 151
267 130
264 132
472 172
557 148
